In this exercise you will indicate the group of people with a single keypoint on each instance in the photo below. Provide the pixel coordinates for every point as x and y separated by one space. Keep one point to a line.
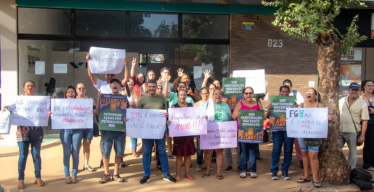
147 92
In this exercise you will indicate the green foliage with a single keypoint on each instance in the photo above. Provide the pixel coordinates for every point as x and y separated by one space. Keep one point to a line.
307 19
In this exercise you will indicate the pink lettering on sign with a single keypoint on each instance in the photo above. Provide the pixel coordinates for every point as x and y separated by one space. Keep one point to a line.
195 125
72 120
80 108
306 126
136 115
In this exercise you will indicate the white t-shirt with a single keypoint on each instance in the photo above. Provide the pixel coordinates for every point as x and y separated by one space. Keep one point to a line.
299 97
103 87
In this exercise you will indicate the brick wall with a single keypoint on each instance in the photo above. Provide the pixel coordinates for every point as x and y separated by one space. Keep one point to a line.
296 60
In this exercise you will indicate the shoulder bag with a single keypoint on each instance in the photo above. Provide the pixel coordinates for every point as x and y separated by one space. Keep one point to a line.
358 132
36 134
312 141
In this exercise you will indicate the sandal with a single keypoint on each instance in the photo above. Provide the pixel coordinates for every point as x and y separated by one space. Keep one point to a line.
199 168
41 183
253 175
21 186
178 178
173 156
140 150
303 180
89 169
219 177
316 184
189 177
205 175
243 175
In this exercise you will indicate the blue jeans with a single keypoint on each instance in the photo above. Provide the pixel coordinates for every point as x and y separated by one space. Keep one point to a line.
248 152
280 137
71 140
199 152
147 150
24 152
134 142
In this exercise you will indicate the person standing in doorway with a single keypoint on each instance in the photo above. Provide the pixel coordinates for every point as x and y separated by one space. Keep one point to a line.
353 110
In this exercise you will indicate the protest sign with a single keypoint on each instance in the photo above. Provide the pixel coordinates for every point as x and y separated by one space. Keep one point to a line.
187 121
253 78
112 112
105 60
251 126
233 90
307 122
29 110
145 123
279 104
219 136
71 113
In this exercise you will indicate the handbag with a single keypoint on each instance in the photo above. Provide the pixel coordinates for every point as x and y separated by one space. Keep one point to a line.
96 132
265 137
5 121
312 142
210 110
36 135
358 132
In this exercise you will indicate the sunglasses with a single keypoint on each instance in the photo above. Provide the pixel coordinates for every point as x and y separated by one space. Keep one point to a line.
248 93
81 88
310 92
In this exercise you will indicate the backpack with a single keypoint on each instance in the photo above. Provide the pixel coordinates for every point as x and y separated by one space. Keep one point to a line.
362 179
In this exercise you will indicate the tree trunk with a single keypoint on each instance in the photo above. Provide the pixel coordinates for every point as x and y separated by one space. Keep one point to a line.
334 168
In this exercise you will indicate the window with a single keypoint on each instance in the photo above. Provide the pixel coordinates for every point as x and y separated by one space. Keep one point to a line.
100 23
202 26
44 21
155 25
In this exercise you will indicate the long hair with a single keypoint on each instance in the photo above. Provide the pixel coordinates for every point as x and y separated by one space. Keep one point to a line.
318 96
70 87
364 83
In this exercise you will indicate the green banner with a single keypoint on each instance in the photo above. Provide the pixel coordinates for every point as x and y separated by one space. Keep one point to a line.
279 104
112 112
233 90
251 126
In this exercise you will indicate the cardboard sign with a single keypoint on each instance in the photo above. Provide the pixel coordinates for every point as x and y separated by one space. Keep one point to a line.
71 113
233 90
112 112
279 104
253 78
187 121
307 122
105 60
220 135
145 123
251 126
29 110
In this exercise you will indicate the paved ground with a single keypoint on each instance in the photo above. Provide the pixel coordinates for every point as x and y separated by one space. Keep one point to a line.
53 175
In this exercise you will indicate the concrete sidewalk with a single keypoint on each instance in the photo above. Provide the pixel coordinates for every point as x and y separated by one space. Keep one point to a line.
53 174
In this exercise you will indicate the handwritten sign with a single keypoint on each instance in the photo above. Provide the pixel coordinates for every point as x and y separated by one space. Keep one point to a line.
251 126
29 110
279 104
220 135
253 78
145 123
71 113
112 112
233 89
307 122
105 60
187 121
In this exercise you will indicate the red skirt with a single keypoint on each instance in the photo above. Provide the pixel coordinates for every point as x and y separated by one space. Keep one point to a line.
184 146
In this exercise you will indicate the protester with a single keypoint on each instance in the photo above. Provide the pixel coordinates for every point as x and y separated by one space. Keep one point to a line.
191 89
24 141
165 72
279 139
368 155
154 101
139 80
159 89
310 153
248 150
87 133
112 138
212 88
353 110
222 113
184 147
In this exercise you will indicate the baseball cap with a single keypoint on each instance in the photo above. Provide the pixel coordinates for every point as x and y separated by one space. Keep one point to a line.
115 79
354 86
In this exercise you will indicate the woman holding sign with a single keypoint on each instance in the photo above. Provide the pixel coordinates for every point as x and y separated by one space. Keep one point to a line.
222 113
183 146
24 141
248 149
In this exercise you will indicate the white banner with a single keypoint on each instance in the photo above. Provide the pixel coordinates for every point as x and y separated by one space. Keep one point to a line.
253 78
187 121
220 135
106 60
29 110
145 123
72 113
307 122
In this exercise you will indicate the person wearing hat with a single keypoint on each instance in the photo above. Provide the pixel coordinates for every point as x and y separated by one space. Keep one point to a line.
112 138
353 110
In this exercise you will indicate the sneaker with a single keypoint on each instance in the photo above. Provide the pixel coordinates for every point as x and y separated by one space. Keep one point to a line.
213 159
169 178
159 168
228 169
285 176
122 164
106 178
144 180
101 164
301 164
274 176
118 178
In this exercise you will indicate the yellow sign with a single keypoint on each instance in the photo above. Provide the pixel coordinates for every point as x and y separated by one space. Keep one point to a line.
248 23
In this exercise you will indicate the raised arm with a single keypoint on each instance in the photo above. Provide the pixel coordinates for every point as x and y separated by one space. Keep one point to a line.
206 78
133 64
194 94
180 74
126 72
92 76
166 87
236 112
